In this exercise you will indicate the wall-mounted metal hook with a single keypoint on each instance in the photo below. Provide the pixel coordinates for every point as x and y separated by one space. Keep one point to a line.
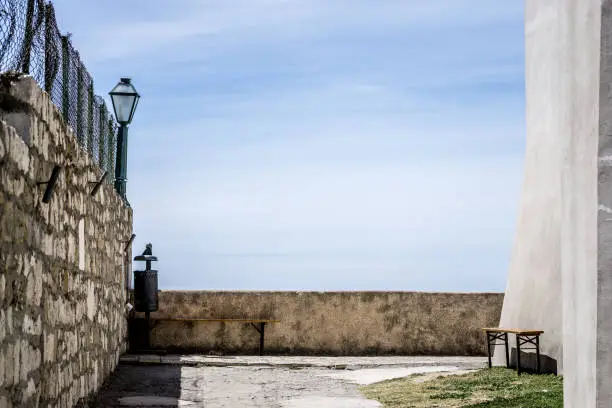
98 184
129 242
50 184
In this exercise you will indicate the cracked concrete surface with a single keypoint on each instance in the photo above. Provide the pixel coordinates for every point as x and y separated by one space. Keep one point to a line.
283 382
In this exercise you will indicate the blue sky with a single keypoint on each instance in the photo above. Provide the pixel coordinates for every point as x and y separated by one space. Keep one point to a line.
318 144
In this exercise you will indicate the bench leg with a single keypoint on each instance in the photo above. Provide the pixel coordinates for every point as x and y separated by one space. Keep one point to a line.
518 354
262 327
507 352
537 341
489 348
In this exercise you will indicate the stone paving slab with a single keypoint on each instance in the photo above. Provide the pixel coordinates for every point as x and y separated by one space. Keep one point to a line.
304 362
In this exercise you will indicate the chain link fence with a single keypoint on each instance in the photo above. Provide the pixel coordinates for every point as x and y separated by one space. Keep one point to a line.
31 42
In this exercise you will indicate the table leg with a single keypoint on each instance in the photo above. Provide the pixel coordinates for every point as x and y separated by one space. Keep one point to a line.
518 354
507 352
537 341
489 348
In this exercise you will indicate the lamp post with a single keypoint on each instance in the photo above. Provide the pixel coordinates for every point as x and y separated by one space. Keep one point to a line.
125 99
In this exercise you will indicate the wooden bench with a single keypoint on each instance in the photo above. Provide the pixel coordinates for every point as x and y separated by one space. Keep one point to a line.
258 324
522 337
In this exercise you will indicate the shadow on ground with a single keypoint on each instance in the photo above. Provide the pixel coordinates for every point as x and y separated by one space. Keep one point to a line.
139 386
548 365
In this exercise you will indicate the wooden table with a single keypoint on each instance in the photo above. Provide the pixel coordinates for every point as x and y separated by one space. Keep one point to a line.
522 337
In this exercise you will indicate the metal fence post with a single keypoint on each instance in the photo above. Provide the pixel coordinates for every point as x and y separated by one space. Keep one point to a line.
101 137
79 109
111 148
90 127
50 49
28 37
65 77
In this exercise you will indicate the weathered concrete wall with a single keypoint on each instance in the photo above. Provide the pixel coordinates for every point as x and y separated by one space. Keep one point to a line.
533 291
330 323
583 246
595 97
560 277
62 293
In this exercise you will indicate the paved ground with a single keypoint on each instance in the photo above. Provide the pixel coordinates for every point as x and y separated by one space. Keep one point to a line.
283 382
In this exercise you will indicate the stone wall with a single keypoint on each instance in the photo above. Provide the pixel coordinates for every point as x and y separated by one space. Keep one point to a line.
329 323
62 264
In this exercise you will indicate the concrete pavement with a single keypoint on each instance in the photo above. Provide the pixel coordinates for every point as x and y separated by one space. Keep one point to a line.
269 381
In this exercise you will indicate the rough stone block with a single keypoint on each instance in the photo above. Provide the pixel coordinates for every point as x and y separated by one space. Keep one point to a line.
17 185
92 304
21 123
54 219
2 288
66 312
72 344
72 254
3 326
82 387
47 242
50 347
3 364
16 361
26 90
18 151
34 283
9 366
43 142
59 248
35 130
9 320
30 390
30 360
32 325
52 311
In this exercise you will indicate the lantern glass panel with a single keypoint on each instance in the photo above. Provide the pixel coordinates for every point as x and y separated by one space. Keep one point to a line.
125 98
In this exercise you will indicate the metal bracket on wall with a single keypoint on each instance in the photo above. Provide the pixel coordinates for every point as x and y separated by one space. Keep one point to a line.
50 183
129 243
98 184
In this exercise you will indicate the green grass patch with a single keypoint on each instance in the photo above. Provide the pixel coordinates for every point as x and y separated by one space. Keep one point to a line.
487 388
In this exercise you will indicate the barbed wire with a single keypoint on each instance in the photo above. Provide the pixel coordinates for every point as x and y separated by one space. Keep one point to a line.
31 42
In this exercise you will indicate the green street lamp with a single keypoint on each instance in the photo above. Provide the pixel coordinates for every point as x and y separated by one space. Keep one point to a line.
125 99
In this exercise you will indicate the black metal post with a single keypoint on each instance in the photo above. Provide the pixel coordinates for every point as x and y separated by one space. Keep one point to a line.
65 77
90 120
28 38
518 354
50 68
79 110
111 145
121 166
537 344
